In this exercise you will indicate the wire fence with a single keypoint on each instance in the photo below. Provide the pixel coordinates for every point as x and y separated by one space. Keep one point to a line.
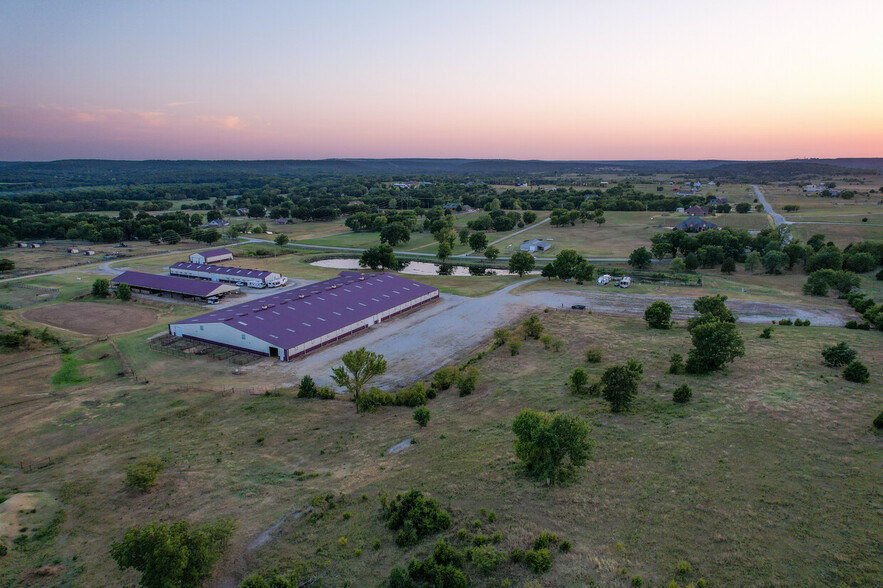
191 349
42 295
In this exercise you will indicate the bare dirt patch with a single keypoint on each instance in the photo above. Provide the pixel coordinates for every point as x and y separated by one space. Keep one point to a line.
92 318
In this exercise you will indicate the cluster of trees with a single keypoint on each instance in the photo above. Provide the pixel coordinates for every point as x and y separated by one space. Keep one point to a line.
569 264
499 220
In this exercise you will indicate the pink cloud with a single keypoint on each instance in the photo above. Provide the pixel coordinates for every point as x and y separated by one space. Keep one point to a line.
228 123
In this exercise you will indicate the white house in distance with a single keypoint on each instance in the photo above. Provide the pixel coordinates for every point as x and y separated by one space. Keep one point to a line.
532 245
211 256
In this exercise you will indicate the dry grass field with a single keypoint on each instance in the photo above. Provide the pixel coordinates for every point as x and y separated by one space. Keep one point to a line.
769 476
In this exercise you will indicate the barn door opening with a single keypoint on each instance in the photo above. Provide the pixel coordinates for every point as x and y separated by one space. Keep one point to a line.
274 352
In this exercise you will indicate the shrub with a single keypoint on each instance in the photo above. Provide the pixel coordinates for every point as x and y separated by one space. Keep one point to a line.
658 315
496 538
444 378
879 275
342 541
491 516
516 555
856 372
399 578
422 415
682 394
326 393
579 382
467 381
767 332
545 539
637 581
487 558
412 396
414 516
798 322
715 343
619 384
594 354
676 364
551 448
515 346
806 322
176 554
838 355
501 336
143 474
479 539
878 422
445 555
785 321
373 399
307 388
533 328
462 534
684 567
538 560
851 324
565 546
101 288
557 344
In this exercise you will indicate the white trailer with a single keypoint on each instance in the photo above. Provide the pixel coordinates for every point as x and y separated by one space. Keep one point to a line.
625 282
604 280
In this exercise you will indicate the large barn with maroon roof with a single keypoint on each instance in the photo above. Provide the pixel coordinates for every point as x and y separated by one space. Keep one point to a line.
294 322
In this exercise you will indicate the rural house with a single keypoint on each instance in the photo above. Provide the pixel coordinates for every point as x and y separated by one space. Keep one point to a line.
695 225
697 211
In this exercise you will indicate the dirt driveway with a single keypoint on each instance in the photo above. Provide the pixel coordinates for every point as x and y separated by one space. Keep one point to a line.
417 344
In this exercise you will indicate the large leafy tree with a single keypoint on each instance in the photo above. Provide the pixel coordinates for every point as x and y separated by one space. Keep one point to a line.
478 241
619 384
381 256
172 555
395 233
566 263
658 315
359 367
715 344
551 448
521 262
640 258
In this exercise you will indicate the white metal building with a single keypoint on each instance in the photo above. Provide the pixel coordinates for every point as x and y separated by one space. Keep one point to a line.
292 323
220 273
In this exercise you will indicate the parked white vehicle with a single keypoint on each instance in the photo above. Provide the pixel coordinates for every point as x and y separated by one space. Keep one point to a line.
604 280
212 300
256 284
625 282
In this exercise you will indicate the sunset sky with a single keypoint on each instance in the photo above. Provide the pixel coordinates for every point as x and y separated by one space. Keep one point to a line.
624 79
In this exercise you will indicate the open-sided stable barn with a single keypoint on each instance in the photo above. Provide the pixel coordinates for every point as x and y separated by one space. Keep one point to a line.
291 323
186 288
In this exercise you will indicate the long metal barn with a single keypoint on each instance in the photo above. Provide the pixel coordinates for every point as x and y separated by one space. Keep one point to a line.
291 323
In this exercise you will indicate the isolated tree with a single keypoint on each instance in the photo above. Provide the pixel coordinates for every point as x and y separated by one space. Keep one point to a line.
281 240
579 381
619 384
210 236
124 292
566 263
551 448
520 263
170 555
359 367
711 308
691 262
728 266
640 258
774 261
444 250
529 217
464 236
381 256
395 233
715 344
658 315
100 287
677 265
195 219
491 252
838 355
478 241
600 220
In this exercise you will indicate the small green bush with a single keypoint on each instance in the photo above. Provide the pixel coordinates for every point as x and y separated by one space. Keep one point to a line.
515 346
594 354
856 372
307 388
462 534
538 560
516 555
565 546
701 583
347 515
487 558
415 515
412 396
479 539
496 537
491 517
444 378
878 422
637 581
851 324
684 567
676 364
544 540
467 381
143 474
325 393
767 332
838 355
682 394
422 415
785 322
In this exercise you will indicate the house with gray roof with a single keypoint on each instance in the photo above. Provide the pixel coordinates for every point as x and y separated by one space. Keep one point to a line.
695 225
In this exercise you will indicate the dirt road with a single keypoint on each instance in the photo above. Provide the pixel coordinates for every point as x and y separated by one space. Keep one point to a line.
417 344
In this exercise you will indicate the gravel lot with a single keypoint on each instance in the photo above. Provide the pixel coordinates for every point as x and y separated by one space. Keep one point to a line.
417 344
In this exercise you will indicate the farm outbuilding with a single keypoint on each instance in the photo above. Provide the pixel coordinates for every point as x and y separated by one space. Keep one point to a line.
156 284
220 273
289 324
211 256
532 245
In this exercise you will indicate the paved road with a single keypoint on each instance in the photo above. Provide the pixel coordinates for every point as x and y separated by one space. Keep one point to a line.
778 219
417 344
